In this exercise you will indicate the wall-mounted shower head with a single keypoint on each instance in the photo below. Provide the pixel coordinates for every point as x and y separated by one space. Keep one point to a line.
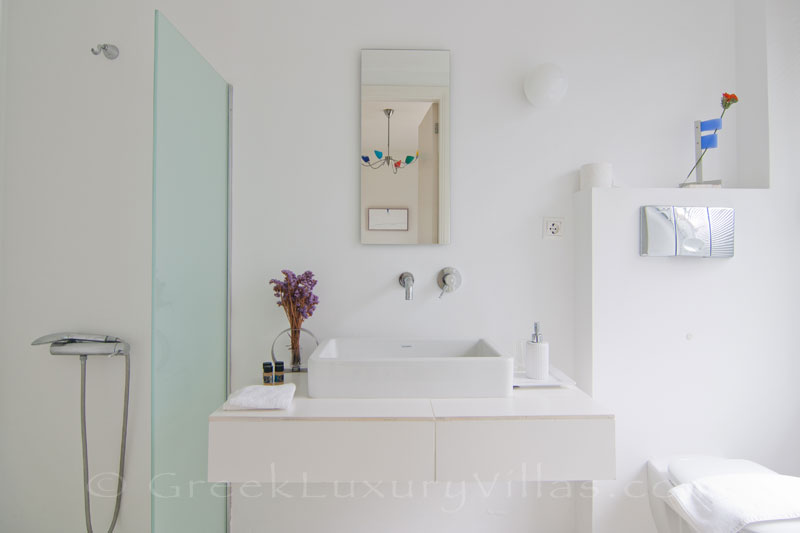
109 50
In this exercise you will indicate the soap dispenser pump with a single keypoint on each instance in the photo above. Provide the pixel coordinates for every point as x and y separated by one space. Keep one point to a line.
537 356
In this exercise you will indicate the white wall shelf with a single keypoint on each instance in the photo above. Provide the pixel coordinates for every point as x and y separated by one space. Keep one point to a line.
555 434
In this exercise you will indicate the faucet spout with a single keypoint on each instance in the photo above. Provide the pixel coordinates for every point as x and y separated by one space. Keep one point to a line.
407 282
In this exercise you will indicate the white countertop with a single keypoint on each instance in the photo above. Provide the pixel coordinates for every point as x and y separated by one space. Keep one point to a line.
556 403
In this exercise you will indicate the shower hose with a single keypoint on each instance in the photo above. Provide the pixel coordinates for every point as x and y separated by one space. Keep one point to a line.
121 447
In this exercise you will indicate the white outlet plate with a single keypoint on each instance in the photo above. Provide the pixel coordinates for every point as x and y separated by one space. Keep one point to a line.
552 227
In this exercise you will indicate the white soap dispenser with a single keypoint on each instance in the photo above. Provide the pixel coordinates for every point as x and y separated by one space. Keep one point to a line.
537 356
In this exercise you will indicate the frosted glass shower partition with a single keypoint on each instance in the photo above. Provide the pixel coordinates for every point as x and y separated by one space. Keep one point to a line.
190 282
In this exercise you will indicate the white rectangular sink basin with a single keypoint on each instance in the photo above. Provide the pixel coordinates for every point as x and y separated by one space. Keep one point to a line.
400 368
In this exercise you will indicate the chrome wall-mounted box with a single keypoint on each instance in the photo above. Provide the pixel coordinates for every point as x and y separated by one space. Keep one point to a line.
657 231
692 231
667 231
721 221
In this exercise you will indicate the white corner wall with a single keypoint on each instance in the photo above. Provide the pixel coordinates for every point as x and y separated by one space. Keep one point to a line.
700 355
694 355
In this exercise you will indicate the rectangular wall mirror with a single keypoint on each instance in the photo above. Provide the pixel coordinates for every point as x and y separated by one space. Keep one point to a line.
405 140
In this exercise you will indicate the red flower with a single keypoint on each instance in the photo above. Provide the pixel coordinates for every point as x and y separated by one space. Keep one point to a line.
728 100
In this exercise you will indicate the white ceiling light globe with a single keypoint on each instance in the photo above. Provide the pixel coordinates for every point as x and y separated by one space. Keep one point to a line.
546 86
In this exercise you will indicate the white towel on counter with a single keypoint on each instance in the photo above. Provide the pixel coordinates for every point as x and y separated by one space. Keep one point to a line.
727 503
261 397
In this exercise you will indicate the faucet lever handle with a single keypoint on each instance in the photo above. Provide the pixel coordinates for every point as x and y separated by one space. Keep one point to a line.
448 284
449 279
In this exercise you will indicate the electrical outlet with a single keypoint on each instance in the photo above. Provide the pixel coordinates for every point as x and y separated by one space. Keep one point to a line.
552 227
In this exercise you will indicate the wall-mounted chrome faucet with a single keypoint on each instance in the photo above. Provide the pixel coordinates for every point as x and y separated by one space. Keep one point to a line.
407 282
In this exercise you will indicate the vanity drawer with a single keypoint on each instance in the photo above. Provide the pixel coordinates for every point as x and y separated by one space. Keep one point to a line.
519 449
278 450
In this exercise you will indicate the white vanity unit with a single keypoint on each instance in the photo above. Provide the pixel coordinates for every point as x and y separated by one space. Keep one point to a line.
556 434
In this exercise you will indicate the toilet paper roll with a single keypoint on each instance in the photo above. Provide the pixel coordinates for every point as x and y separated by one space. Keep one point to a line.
597 175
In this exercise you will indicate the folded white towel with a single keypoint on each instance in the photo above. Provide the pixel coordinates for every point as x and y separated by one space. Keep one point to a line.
726 504
261 397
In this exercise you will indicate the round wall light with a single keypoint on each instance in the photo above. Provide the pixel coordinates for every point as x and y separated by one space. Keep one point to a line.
546 86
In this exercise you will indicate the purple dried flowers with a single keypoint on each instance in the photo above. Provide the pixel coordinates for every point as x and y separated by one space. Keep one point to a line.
296 295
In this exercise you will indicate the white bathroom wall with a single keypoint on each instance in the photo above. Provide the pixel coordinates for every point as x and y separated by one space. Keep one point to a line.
694 356
76 208
75 256
699 355
633 99
511 164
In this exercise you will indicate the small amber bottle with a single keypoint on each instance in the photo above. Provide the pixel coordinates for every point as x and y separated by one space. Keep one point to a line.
279 376
268 373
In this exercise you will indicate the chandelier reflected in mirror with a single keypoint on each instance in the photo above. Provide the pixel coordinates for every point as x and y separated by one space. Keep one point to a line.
387 160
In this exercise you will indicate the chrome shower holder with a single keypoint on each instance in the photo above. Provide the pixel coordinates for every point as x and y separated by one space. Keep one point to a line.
108 50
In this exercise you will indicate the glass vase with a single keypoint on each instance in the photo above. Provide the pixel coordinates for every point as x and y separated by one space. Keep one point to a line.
293 346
